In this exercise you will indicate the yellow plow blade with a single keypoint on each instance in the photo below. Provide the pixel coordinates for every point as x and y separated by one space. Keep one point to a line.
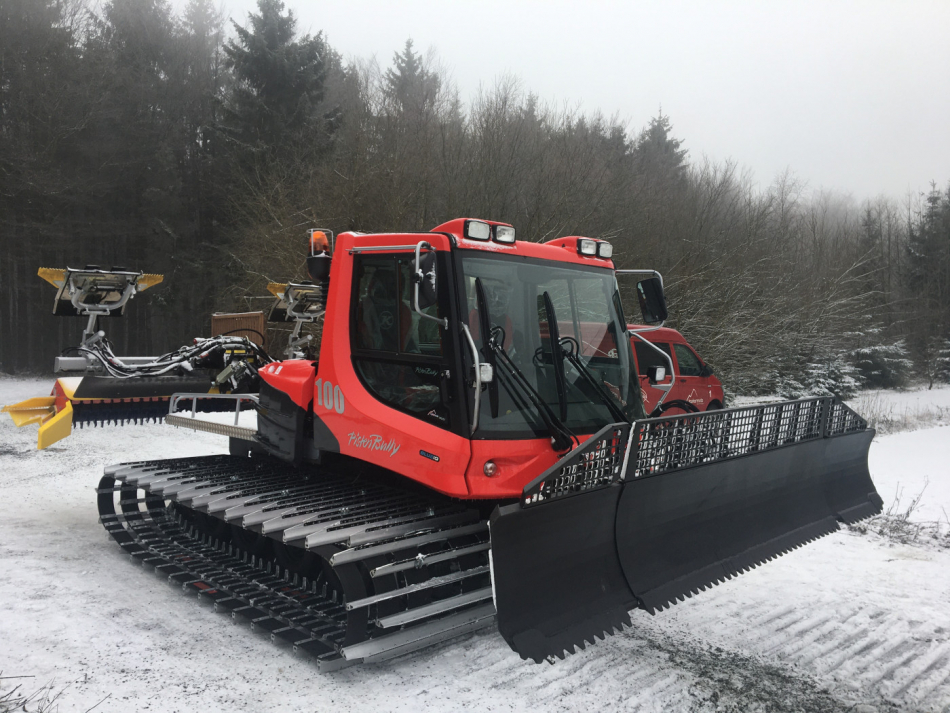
57 277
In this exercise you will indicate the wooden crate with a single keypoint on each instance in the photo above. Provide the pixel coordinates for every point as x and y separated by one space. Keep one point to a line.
252 325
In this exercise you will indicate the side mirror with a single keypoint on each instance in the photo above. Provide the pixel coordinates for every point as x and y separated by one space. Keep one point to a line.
652 301
425 276
656 374
706 370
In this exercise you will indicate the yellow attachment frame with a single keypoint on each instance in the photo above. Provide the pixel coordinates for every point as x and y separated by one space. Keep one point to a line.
56 277
54 426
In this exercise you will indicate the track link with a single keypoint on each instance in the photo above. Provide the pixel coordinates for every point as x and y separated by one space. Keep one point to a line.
345 568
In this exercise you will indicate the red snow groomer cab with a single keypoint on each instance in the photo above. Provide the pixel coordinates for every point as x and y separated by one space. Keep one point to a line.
673 377
470 448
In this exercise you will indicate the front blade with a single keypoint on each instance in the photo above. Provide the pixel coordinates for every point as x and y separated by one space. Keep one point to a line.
701 498
684 530
558 581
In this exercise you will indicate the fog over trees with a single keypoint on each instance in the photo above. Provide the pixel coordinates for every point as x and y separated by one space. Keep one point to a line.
135 137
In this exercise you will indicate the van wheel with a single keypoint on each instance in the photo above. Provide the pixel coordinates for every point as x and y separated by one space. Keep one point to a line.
715 406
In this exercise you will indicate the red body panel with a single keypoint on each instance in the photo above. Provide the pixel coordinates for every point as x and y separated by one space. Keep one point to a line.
518 463
294 377
704 392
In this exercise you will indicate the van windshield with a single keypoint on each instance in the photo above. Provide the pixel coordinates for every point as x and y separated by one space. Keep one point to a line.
590 319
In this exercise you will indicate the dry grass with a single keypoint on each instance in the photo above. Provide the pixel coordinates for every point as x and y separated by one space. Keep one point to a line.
887 417
897 524
17 694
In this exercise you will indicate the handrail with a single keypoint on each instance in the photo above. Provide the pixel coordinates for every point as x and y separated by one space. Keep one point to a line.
478 375
238 398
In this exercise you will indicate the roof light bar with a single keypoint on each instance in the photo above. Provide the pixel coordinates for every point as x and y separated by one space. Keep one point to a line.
605 251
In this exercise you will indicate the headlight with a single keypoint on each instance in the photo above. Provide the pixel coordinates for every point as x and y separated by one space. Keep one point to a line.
504 234
587 247
605 250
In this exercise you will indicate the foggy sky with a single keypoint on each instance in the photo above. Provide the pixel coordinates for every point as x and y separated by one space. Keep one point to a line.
849 96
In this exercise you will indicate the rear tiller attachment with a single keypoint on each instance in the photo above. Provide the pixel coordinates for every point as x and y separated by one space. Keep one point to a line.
96 387
645 514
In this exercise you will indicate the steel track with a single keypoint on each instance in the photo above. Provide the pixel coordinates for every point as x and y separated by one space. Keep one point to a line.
344 568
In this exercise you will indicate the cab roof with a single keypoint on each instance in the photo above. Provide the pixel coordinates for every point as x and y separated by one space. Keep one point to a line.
559 249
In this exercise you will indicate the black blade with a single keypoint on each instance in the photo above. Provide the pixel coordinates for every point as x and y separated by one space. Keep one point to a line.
138 410
684 530
558 581
701 498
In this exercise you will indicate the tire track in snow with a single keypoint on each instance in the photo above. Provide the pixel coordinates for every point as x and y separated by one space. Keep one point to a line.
852 645
935 667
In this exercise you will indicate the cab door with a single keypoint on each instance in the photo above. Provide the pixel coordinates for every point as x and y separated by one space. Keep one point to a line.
384 379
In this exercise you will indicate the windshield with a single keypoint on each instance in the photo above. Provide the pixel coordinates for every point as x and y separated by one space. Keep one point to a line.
589 319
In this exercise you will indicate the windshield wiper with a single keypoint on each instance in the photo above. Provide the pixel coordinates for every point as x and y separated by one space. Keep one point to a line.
554 337
484 328
561 437
573 356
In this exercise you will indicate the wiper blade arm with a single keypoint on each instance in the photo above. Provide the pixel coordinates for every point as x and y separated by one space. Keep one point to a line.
557 360
562 437
605 396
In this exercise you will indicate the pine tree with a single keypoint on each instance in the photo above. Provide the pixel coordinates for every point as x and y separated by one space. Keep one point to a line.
279 80
927 278
657 153
409 84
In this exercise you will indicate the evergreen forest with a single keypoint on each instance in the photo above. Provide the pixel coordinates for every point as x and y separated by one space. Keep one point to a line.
181 144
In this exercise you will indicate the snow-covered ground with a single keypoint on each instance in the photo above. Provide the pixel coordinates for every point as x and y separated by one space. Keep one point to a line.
853 622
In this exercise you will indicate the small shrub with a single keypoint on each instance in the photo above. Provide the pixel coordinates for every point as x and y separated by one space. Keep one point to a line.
883 366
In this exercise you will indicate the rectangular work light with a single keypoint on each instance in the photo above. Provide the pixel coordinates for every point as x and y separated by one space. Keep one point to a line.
504 234
587 247
477 230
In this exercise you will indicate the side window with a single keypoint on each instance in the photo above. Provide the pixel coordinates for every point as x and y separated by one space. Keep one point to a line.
647 356
418 336
410 387
689 363
397 354
377 310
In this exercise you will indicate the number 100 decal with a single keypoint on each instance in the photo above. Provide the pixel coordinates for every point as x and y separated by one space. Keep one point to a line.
329 396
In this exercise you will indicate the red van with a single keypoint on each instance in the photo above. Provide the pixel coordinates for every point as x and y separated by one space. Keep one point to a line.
692 386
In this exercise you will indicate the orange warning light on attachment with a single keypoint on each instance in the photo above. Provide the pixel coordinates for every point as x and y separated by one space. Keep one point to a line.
319 242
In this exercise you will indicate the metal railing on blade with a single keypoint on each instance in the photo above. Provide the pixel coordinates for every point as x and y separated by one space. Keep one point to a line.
842 419
653 446
671 443
597 462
